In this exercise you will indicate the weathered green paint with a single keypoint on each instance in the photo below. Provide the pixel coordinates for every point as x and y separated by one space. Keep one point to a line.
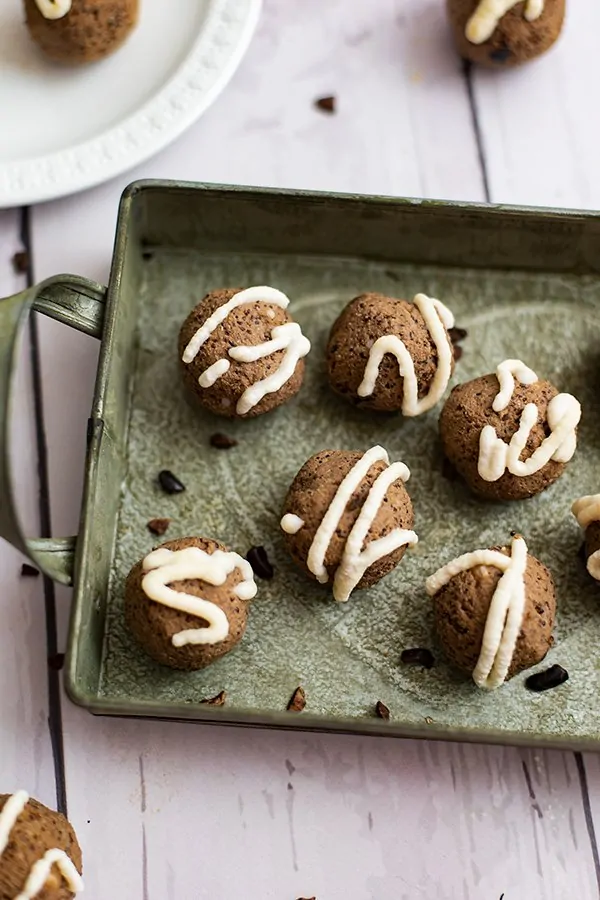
523 282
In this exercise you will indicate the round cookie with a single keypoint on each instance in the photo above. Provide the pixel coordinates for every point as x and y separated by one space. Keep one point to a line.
186 602
241 353
509 435
39 852
494 612
348 518
587 512
376 338
80 31
498 33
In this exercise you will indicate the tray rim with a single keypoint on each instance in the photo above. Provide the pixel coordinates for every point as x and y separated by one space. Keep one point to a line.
95 703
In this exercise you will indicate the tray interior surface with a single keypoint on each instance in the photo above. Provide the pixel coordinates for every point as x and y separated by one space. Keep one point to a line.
346 656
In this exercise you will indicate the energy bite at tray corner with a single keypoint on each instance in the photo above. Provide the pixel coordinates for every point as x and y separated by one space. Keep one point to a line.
494 612
509 435
241 353
80 31
390 355
501 33
587 512
39 852
348 516
186 603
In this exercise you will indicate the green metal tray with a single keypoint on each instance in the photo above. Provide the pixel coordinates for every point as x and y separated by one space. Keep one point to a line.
525 283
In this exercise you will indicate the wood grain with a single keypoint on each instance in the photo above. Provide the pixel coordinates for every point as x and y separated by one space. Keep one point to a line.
25 752
174 811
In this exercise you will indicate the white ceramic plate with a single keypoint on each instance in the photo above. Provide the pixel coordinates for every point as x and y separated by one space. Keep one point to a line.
63 130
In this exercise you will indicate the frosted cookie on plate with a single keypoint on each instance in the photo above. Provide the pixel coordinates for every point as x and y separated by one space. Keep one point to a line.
509 434
348 518
587 512
500 33
391 355
80 31
186 602
241 353
40 856
494 612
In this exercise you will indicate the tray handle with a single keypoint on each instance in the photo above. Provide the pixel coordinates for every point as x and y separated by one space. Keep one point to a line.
80 304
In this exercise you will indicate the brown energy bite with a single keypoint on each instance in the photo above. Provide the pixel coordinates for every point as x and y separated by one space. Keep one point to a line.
80 31
186 602
494 612
241 353
39 852
509 435
587 512
501 33
348 518
389 355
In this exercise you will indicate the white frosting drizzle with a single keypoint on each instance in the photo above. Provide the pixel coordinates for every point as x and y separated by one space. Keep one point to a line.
437 319
163 567
564 413
54 9
287 337
291 524
41 869
488 13
505 614
355 561
587 510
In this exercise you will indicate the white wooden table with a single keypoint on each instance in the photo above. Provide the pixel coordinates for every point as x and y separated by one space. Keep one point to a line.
168 811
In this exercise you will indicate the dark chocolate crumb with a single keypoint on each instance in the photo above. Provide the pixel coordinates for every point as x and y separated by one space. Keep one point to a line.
448 470
56 662
20 262
222 441
381 711
147 254
326 104
502 54
418 656
297 700
260 562
219 700
158 526
457 335
549 678
170 483
28 571
458 352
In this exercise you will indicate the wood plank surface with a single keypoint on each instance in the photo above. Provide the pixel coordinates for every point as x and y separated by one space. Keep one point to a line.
174 811
25 751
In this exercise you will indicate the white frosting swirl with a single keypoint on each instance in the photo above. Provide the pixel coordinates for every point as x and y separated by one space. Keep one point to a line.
54 9
164 567
488 13
437 319
40 871
505 614
587 510
563 414
287 337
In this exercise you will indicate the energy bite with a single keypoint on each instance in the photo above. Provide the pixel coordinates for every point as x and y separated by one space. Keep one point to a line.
242 355
501 33
494 612
587 512
390 355
80 31
348 518
186 603
509 435
39 852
